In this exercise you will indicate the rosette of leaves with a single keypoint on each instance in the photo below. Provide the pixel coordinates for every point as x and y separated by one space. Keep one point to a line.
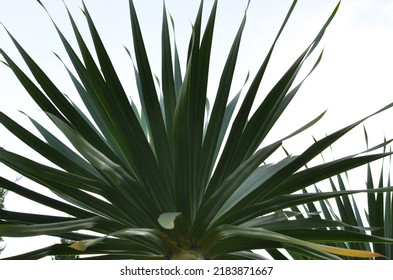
174 178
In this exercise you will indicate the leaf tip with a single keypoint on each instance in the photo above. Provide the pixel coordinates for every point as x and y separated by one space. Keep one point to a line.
167 220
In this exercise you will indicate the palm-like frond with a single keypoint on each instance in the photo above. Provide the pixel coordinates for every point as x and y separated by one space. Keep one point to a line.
172 179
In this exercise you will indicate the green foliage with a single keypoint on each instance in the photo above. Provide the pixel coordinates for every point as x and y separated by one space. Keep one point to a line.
172 179
379 212
376 218
2 197
65 241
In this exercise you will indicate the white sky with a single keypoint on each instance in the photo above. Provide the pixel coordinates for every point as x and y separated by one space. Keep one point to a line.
353 80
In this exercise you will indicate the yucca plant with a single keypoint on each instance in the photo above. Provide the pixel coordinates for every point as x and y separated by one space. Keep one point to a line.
171 178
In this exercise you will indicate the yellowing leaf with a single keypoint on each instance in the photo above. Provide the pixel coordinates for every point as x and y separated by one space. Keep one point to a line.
345 252
84 244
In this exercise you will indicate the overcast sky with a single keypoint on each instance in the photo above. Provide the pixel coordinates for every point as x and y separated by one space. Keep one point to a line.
353 80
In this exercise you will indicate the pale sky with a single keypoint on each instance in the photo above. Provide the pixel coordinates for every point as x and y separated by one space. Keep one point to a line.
353 79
